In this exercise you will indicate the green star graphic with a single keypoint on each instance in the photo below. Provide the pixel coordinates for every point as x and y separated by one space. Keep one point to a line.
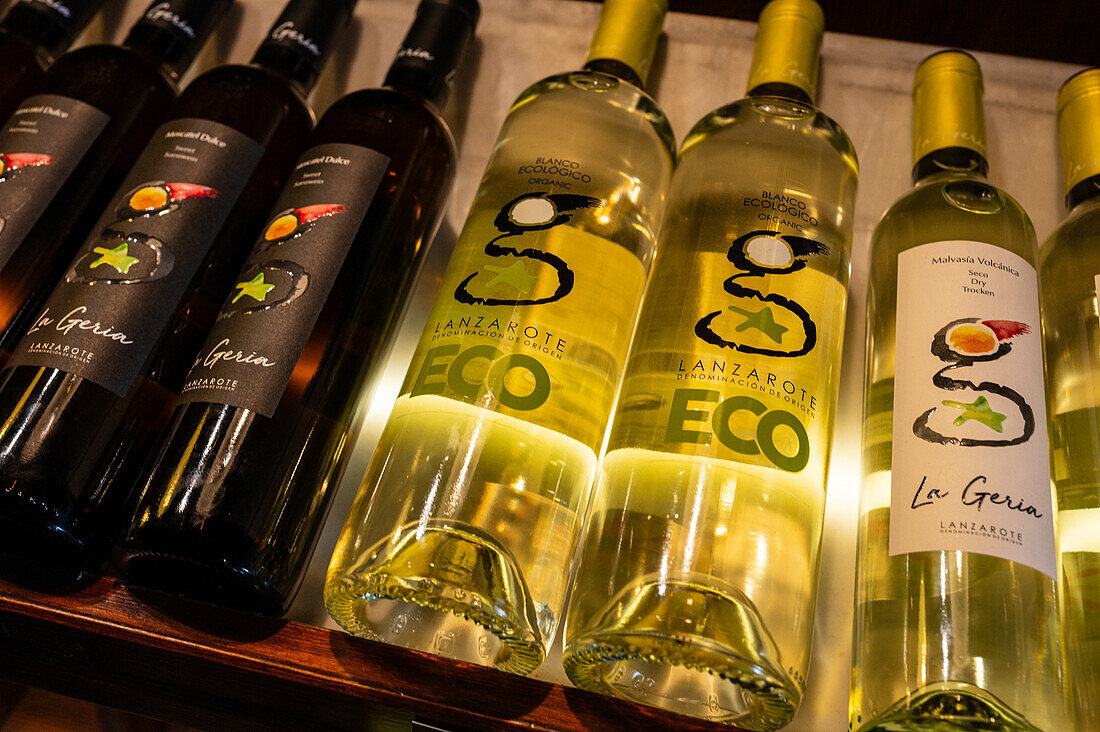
119 258
762 321
255 288
516 276
979 410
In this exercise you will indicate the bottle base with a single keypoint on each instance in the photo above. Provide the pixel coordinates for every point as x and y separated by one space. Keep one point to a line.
450 590
28 530
948 706
688 648
216 582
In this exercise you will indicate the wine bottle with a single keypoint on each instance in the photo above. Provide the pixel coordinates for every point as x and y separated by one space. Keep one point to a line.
32 34
266 419
95 376
697 578
956 614
1069 278
67 147
465 522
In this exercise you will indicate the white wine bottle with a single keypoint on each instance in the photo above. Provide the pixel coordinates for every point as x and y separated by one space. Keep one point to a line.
957 617
697 579
1069 278
460 538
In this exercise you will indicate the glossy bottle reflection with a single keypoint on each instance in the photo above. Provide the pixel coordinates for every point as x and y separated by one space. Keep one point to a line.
468 512
71 449
236 499
954 640
134 86
1069 262
697 580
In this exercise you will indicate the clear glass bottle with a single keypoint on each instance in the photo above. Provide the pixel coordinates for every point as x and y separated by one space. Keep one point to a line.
459 540
697 579
956 620
1069 277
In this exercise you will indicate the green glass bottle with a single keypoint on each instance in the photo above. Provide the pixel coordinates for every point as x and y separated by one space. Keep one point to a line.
956 619
459 540
698 574
1069 277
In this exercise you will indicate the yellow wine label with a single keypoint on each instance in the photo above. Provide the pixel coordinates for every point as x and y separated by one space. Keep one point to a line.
746 369
533 318
970 467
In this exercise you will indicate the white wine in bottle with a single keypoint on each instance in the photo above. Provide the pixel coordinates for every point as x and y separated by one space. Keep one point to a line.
957 617
697 579
1069 278
459 541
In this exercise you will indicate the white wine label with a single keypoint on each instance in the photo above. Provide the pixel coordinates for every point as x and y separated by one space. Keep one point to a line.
104 317
263 326
40 146
970 456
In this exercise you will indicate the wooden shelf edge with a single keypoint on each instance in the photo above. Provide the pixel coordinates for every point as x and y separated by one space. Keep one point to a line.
197 664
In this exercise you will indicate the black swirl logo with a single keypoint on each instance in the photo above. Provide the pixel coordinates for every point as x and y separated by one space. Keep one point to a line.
122 257
11 165
293 223
262 287
524 214
756 254
970 342
273 283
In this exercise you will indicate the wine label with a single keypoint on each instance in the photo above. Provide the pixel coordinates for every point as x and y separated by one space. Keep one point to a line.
746 370
103 319
40 146
970 454
264 324
533 318
739 344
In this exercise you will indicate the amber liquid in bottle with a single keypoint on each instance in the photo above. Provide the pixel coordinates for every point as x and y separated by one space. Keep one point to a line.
134 85
32 34
236 500
71 447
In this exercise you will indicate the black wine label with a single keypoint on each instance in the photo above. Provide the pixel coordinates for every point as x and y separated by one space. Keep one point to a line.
104 317
250 353
39 148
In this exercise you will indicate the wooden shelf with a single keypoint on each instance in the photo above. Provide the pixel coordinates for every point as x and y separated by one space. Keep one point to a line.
206 666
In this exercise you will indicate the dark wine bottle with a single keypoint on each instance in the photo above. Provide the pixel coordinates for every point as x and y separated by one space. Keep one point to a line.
32 34
98 369
67 147
232 508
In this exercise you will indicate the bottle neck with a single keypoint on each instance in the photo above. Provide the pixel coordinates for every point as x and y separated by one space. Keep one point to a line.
417 86
615 68
302 40
1086 190
39 29
431 51
779 89
954 162
168 50
301 72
